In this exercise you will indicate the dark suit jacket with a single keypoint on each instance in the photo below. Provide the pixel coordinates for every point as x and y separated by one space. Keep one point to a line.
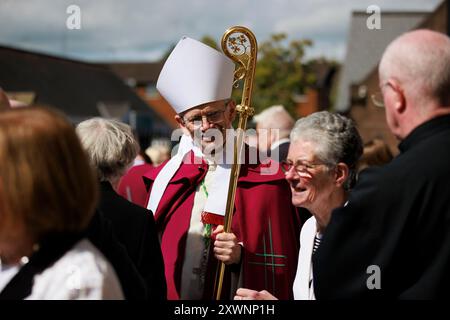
100 232
135 229
392 240
281 150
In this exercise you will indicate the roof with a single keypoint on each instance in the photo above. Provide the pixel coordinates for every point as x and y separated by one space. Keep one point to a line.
365 47
163 108
81 90
324 72
140 72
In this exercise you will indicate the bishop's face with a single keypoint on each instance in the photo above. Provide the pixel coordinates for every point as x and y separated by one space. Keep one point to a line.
207 123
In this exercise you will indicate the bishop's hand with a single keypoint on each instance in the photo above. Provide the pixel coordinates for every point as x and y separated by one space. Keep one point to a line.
248 294
226 246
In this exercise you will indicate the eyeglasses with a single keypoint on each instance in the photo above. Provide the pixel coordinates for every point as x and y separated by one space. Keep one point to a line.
212 117
300 167
377 99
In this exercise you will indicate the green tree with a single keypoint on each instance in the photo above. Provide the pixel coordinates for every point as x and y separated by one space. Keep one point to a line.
280 73
208 40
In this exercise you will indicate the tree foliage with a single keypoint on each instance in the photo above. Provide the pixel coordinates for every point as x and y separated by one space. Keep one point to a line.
280 72
208 40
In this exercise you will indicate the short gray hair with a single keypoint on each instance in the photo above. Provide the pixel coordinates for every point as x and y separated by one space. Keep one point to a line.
110 145
336 139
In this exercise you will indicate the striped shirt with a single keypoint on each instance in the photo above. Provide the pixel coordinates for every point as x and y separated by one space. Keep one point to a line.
317 241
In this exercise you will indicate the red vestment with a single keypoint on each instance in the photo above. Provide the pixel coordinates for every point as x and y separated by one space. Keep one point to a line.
131 185
264 220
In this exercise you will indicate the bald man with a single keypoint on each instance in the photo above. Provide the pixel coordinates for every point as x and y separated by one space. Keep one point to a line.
273 126
392 239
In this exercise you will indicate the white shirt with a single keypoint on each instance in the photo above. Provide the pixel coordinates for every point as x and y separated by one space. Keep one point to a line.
7 272
191 281
82 273
278 142
302 288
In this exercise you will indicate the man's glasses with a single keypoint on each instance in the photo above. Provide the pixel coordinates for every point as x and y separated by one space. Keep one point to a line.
212 117
299 167
377 99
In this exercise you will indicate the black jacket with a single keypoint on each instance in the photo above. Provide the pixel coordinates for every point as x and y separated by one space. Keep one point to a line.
101 233
280 152
394 233
135 229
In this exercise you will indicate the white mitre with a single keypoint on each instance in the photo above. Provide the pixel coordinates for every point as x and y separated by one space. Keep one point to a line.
195 74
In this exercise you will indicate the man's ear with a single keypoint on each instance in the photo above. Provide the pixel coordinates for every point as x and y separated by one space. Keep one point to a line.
181 124
341 174
400 100
179 120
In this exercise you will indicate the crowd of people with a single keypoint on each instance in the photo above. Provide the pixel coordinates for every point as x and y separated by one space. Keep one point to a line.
83 215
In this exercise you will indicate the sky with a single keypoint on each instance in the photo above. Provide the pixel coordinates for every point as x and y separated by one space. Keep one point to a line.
143 30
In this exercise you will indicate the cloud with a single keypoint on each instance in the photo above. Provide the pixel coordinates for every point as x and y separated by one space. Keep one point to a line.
321 22
144 30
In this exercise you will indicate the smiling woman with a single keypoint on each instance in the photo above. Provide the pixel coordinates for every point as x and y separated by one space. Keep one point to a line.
320 169
322 144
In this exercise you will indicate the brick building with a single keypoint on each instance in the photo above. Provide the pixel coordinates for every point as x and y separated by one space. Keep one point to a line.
359 77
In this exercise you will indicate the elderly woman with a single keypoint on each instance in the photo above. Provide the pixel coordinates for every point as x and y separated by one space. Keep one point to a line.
112 148
320 169
47 198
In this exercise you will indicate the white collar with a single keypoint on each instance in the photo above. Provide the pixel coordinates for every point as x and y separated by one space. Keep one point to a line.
217 196
278 142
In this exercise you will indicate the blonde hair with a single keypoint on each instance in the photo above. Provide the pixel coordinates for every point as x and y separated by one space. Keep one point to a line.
158 154
46 183
110 144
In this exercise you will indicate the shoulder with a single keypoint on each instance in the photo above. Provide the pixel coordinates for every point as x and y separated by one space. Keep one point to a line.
81 273
430 157
150 173
259 170
140 169
309 229
112 201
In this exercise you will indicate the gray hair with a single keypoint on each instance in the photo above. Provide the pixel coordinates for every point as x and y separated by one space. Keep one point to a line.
275 117
110 145
336 139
